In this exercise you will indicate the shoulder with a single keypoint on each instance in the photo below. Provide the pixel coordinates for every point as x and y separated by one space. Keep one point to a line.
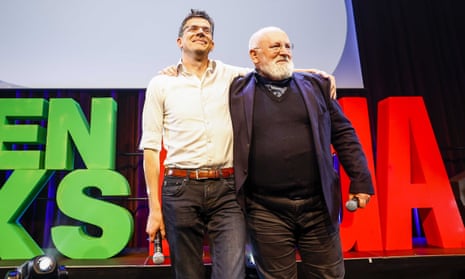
157 86
234 71
158 80
309 77
317 82
161 82
241 81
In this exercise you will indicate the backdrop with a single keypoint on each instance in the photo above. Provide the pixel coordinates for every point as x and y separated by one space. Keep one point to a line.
407 48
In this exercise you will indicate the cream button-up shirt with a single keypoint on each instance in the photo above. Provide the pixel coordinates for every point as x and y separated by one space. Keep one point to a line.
190 117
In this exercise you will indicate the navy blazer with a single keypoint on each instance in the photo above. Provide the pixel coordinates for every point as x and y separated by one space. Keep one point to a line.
329 126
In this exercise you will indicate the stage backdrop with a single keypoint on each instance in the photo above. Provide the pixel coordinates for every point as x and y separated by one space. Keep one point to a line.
407 48
122 44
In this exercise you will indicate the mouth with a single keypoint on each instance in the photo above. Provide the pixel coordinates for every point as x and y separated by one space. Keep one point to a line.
282 61
202 42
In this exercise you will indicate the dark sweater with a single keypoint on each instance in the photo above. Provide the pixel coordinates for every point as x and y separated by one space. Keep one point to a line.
282 158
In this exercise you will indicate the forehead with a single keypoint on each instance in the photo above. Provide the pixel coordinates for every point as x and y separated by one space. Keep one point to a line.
197 21
275 37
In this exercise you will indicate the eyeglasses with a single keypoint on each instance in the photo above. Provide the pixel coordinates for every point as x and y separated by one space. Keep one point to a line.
276 48
195 28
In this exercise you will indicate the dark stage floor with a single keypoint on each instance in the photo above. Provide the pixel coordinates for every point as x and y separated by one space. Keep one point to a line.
417 263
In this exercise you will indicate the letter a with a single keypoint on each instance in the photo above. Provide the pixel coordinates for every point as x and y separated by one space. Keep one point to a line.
411 174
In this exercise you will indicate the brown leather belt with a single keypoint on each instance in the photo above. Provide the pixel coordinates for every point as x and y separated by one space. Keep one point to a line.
199 174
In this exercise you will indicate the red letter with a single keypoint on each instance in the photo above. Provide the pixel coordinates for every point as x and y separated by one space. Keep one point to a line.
360 230
411 174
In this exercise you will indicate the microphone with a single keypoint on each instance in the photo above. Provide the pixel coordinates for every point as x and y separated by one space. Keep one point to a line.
352 204
158 257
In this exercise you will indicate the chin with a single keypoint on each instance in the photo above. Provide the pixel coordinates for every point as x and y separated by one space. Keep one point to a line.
278 71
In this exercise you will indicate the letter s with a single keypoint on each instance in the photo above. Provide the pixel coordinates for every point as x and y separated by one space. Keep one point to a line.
115 222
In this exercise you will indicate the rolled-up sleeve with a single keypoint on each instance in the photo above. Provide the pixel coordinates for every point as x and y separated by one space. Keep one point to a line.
152 116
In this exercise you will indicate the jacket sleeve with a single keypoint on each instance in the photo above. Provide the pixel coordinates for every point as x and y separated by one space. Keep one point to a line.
346 143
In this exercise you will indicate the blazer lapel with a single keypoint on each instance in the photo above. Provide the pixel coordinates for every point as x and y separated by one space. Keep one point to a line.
249 93
310 102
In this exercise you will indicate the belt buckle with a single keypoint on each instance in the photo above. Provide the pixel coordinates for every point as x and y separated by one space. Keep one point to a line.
197 174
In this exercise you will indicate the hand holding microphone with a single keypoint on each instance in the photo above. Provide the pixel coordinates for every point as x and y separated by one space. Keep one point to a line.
354 203
158 257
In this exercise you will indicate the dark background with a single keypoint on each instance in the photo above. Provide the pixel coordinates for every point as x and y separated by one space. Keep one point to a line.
407 48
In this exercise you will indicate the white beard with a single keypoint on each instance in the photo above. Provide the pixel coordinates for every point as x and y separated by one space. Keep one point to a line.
278 71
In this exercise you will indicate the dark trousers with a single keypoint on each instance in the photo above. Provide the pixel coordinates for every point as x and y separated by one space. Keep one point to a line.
192 208
278 226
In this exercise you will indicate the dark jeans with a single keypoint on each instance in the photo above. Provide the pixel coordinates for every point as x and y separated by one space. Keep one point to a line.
278 226
192 208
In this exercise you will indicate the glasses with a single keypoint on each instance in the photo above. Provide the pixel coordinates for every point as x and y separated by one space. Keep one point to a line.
276 48
195 28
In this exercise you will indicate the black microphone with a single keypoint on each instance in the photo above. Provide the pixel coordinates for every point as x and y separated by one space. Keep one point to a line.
158 257
352 204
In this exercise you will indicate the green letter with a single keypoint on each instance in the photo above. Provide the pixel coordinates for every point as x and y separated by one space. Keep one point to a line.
21 109
16 195
95 142
115 221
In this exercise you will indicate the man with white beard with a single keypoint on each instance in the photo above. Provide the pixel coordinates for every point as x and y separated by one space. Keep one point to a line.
284 124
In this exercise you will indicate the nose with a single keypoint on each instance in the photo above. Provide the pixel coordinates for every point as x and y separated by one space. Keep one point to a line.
285 47
285 50
203 30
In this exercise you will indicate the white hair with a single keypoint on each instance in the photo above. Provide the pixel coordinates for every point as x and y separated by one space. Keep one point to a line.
258 35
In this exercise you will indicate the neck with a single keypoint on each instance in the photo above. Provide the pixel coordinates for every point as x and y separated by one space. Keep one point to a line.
195 65
267 80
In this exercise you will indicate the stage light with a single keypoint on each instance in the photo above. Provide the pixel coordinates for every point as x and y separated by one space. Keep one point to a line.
249 259
40 267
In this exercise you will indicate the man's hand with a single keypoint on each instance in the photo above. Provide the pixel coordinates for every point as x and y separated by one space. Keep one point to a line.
363 199
331 78
155 223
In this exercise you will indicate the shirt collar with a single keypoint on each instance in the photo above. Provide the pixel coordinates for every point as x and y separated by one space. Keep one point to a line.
210 68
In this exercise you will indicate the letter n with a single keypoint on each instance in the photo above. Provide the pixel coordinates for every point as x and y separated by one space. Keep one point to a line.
95 141
360 230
